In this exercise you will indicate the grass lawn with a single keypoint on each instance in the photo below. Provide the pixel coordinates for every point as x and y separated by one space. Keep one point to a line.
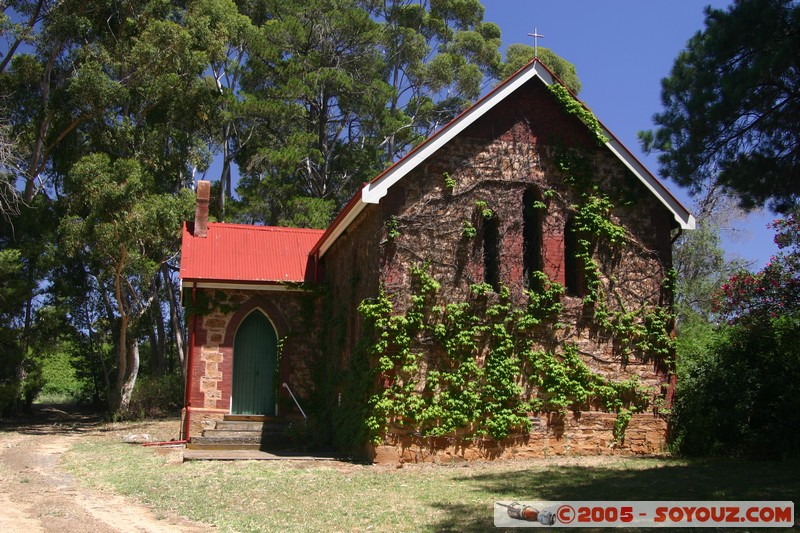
327 496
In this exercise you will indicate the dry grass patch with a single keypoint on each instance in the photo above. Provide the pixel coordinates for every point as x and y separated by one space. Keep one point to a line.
330 496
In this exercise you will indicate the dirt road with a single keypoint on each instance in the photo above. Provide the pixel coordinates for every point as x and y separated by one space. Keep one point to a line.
36 496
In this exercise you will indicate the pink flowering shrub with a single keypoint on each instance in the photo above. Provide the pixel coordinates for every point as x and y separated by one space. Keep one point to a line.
773 291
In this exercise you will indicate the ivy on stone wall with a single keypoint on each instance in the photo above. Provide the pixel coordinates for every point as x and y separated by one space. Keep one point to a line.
204 302
449 182
392 228
646 329
574 107
474 369
481 367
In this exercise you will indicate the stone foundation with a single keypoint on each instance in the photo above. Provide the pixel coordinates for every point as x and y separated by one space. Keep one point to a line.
585 433
201 419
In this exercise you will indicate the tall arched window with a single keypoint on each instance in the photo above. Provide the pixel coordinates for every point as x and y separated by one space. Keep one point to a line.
491 251
573 265
532 214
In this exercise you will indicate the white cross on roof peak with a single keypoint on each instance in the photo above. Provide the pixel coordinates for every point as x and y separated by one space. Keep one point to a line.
536 36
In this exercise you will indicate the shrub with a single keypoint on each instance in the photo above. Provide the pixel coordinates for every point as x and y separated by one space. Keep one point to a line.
60 381
156 397
742 396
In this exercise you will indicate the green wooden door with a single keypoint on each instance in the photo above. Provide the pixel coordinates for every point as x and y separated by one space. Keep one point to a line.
255 351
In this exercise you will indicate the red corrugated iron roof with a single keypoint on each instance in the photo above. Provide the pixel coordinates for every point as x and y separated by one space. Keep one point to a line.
244 253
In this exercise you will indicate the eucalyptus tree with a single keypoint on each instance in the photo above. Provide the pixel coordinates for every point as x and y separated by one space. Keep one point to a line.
322 98
123 231
12 299
107 102
125 171
437 57
228 35
31 66
356 85
9 170
18 20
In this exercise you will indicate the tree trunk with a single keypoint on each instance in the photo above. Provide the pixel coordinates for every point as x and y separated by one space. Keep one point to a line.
160 347
126 391
20 371
152 336
175 317
32 21
93 349
122 340
225 176
37 154
122 362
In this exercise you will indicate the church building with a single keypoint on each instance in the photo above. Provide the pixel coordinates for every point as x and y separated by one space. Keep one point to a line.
504 290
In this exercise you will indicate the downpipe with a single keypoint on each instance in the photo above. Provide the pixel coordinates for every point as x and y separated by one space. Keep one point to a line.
187 394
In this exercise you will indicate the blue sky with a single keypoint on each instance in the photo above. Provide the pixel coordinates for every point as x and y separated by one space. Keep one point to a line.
621 50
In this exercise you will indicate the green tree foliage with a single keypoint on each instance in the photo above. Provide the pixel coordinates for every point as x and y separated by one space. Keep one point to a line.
436 57
738 392
12 298
27 235
9 169
228 37
323 92
123 232
701 268
107 106
700 262
731 109
742 396
732 105
60 380
356 86
518 55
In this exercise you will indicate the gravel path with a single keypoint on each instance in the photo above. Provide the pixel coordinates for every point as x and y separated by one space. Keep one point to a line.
36 496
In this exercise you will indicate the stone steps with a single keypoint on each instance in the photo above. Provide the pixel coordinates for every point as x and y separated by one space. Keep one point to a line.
244 432
221 443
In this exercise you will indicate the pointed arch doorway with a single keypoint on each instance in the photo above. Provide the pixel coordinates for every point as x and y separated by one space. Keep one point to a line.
255 355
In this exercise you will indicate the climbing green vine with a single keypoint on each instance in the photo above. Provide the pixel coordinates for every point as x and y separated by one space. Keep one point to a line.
481 367
646 330
573 107
204 302
473 369
484 209
468 231
392 228
449 182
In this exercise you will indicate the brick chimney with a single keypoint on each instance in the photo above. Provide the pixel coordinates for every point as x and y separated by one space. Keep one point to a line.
203 193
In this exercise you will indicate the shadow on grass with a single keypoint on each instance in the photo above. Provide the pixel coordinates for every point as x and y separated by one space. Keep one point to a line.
53 419
58 419
708 479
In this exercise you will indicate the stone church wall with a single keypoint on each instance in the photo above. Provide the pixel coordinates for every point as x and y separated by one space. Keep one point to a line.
585 433
495 162
492 165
